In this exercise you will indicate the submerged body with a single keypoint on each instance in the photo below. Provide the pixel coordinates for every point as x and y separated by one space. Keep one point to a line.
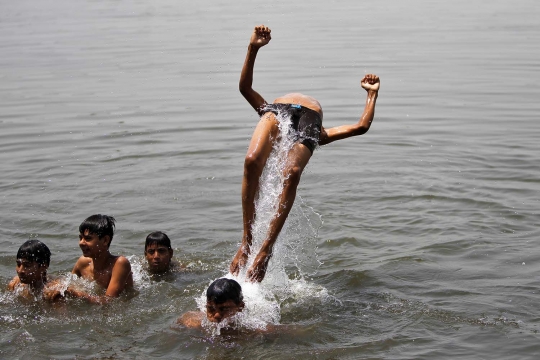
158 253
33 259
224 299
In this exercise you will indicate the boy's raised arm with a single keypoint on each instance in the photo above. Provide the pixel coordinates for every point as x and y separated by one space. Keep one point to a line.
259 38
371 84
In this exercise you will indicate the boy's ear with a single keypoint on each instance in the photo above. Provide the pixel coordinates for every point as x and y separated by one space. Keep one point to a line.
171 252
43 269
107 240
241 306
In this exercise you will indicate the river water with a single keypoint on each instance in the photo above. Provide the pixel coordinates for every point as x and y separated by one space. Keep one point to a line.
414 241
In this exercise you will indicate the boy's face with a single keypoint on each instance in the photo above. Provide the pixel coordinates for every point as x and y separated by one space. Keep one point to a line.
217 312
30 272
91 245
158 257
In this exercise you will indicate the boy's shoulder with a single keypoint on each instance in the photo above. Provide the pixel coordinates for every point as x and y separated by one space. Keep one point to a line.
191 319
83 262
121 262
14 283
21 290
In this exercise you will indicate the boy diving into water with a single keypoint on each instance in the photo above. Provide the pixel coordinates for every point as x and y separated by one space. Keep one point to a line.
306 115
113 273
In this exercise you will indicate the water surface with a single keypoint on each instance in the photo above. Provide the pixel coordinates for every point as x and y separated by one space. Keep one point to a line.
421 234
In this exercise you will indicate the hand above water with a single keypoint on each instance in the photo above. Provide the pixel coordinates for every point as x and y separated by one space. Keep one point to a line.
371 82
260 37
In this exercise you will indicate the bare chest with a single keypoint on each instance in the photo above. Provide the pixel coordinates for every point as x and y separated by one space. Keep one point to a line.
101 277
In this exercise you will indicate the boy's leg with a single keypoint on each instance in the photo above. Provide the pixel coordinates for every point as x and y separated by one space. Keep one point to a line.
259 149
297 160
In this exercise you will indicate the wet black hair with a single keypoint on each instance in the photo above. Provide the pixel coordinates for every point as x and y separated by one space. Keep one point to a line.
159 238
35 250
98 224
224 289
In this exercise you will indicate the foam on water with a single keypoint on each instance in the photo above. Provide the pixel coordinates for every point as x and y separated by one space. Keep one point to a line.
68 279
141 277
295 247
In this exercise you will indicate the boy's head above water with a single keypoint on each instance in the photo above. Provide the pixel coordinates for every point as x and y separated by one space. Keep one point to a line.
33 260
158 252
96 233
223 299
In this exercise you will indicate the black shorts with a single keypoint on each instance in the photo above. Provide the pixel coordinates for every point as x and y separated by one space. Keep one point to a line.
305 122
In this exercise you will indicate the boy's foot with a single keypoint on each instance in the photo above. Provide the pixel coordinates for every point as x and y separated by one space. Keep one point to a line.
257 271
240 260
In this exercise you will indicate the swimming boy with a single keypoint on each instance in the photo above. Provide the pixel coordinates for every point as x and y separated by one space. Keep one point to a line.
158 253
306 114
224 299
33 260
113 273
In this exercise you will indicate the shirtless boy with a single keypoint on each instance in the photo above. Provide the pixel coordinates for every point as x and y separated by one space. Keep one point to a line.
113 273
306 114
33 260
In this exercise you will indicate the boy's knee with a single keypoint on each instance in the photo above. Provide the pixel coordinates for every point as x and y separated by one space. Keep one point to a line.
292 177
253 163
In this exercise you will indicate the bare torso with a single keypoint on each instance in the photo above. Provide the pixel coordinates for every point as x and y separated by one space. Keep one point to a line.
102 276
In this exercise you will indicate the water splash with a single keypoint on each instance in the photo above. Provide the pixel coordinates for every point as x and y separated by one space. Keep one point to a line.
296 244
262 308
141 277
294 249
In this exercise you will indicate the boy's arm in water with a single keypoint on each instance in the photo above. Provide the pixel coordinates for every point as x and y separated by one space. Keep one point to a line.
52 291
193 320
259 38
52 294
120 279
371 84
